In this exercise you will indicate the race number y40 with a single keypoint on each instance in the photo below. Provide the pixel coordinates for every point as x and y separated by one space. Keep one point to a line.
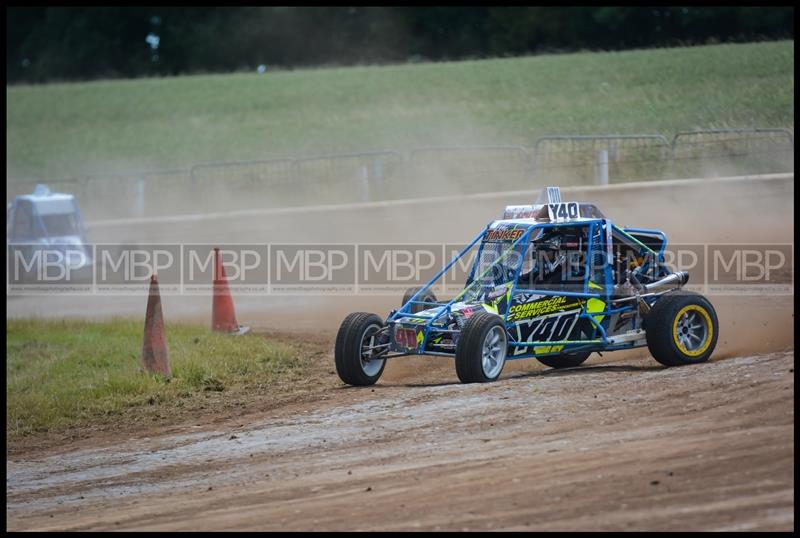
563 211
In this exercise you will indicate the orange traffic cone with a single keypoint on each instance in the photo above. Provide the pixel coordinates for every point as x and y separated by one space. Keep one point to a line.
223 317
155 356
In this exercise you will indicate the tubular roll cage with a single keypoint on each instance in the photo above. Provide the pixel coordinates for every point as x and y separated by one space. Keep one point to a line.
596 226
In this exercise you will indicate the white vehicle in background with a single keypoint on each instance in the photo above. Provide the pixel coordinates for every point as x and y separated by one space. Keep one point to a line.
46 238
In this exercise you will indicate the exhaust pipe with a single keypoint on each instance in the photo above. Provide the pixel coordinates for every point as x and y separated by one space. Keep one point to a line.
675 280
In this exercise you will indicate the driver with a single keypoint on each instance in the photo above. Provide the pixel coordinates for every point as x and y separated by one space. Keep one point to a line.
549 258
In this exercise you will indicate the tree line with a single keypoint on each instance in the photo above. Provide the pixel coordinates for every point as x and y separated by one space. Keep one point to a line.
80 43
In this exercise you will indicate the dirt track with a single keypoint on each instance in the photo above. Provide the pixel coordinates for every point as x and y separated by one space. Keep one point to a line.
618 444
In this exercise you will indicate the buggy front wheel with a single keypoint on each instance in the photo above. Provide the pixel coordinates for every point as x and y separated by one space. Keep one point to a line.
362 338
481 349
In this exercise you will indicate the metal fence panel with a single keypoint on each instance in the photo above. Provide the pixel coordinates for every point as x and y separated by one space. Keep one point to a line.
244 174
426 171
465 169
349 177
720 152
585 159
131 194
241 184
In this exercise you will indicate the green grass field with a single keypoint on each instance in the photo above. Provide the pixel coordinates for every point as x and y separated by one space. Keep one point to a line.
55 131
71 376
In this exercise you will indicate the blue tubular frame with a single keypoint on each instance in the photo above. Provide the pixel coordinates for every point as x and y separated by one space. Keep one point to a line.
589 257
598 225
404 309
660 254
585 294
446 308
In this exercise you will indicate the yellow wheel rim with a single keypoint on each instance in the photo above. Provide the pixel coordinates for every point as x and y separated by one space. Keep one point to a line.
692 330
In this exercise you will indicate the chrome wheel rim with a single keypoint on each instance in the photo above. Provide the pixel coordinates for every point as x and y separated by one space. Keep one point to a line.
370 366
494 352
692 330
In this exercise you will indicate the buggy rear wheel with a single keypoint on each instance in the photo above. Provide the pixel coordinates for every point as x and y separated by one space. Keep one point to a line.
427 297
681 328
583 331
563 360
355 353
481 349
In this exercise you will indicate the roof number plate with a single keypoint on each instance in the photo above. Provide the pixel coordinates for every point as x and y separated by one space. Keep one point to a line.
563 211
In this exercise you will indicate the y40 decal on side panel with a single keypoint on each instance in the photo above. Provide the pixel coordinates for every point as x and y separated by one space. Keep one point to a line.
552 328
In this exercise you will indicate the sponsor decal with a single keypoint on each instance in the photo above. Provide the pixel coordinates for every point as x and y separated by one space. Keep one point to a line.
538 307
526 297
521 212
552 328
406 338
503 234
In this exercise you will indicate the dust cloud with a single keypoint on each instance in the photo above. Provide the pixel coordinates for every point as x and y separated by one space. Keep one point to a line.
691 212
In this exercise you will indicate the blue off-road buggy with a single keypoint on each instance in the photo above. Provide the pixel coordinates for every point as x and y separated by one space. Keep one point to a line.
553 280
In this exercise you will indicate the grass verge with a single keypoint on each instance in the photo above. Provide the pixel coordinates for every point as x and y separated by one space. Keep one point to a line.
68 378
